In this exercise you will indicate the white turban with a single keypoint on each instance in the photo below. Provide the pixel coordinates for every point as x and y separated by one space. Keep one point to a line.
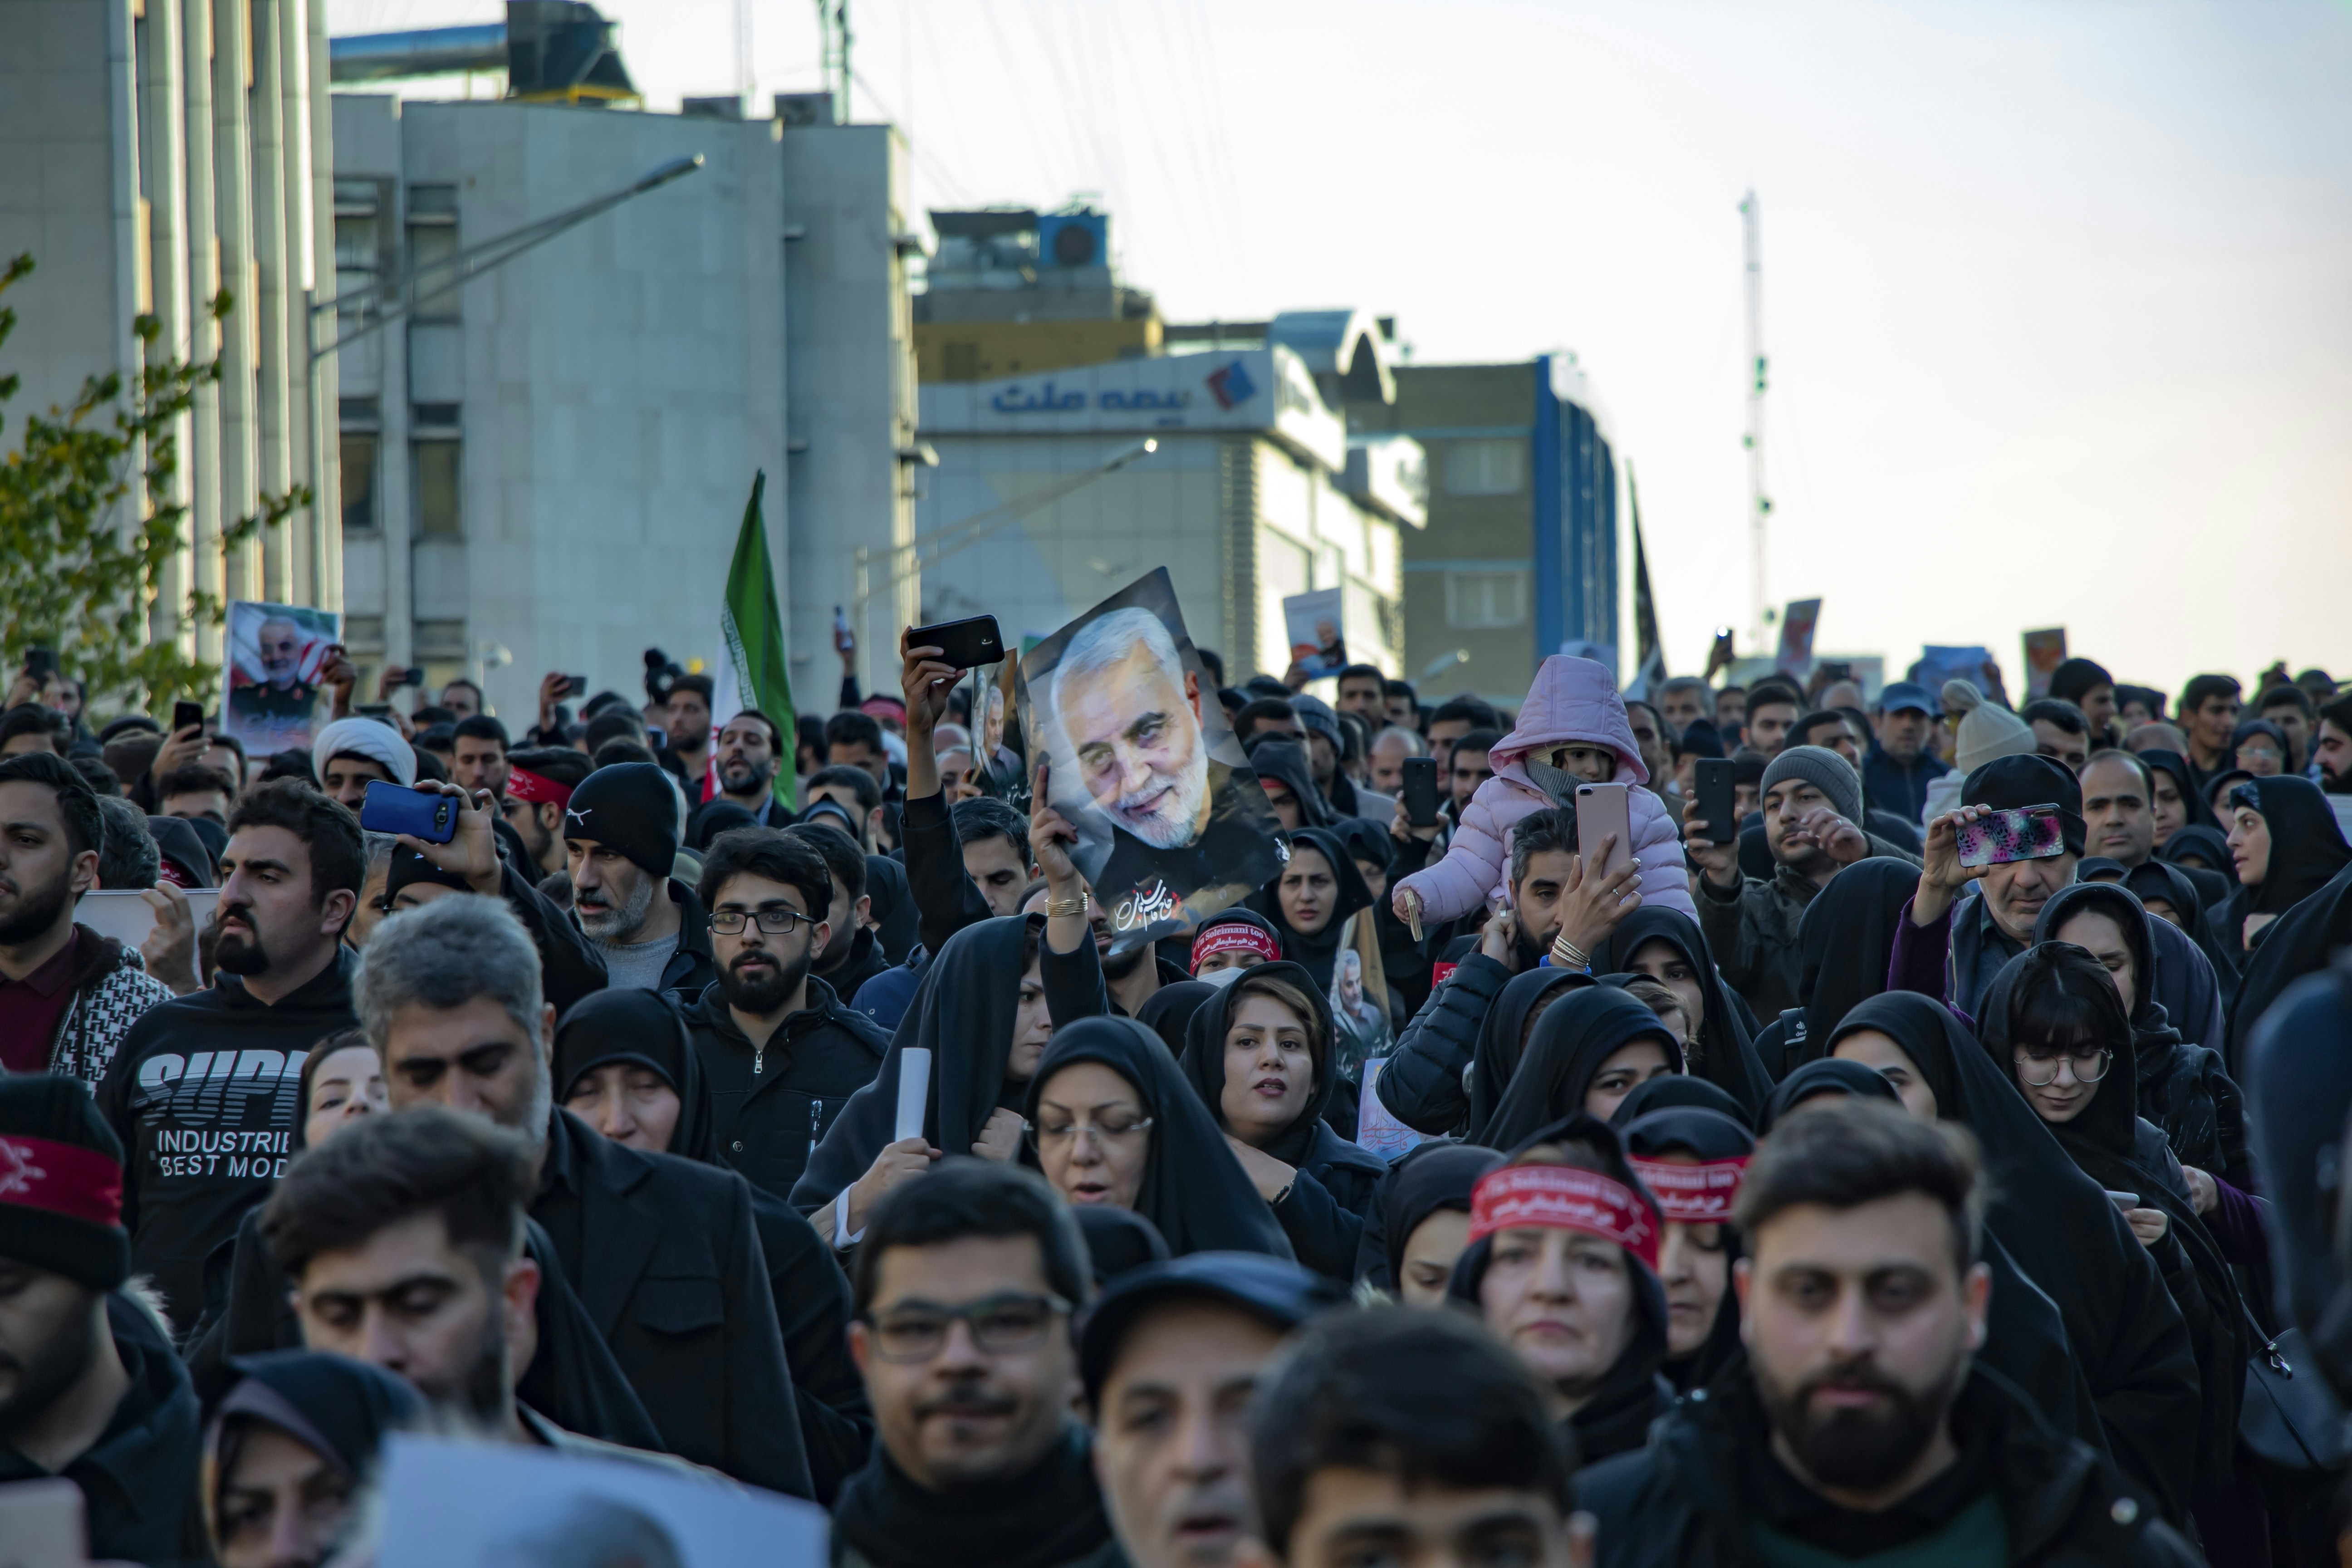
365 737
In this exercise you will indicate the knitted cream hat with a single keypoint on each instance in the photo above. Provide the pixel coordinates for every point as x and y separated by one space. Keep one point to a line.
1986 729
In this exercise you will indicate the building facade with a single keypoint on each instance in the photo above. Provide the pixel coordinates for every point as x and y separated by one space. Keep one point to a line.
154 154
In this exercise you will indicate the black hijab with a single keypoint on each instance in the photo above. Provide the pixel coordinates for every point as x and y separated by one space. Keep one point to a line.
2196 813
1169 1011
1431 1177
1724 1055
2307 848
1194 1191
2159 878
339 1409
1677 1089
1319 951
1824 1075
1711 1136
2297 944
1572 1040
1846 941
180 846
2299 1084
1309 1143
2251 728
897 924
1616 1419
962 1014
1052 1515
2207 844
644 1029
2148 1022
1118 1240
1286 761
2056 1224
1503 1037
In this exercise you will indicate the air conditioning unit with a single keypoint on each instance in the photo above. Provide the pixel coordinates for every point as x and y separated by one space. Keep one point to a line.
1073 239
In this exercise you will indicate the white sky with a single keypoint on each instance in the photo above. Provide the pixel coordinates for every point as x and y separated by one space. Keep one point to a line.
2058 298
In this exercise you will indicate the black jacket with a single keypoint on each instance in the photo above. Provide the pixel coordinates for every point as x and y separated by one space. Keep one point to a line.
944 893
1423 1084
866 961
138 1481
813 1307
771 1105
1688 1500
203 1092
675 1280
691 967
569 967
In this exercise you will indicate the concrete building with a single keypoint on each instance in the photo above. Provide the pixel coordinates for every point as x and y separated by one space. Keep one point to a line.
548 466
152 154
1522 551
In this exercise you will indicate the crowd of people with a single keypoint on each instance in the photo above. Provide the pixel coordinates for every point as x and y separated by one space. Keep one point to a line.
1935 1165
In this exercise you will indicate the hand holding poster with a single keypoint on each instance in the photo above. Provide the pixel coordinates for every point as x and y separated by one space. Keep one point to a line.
272 700
1317 647
1172 824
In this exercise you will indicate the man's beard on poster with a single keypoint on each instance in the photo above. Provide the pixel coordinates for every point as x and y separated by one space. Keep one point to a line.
606 922
36 912
1859 1449
760 989
1171 823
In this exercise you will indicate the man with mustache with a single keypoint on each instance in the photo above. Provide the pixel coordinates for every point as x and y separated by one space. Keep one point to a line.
1861 1431
620 832
969 1283
202 1089
781 1052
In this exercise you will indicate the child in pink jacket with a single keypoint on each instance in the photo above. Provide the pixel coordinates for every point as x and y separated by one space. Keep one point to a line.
1572 730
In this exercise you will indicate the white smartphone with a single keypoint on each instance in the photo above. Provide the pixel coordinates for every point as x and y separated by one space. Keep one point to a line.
122 914
1603 810
41 1525
2127 1202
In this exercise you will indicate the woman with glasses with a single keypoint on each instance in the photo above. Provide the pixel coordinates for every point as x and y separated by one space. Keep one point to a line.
2054 1016
1260 1057
1112 1123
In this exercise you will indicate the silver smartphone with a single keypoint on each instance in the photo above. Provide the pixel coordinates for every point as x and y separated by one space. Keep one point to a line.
122 914
1603 810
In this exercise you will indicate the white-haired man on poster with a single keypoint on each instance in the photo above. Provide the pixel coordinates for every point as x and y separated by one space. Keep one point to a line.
1126 726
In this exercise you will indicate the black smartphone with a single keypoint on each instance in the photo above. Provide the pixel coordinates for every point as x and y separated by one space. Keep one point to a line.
186 715
1421 791
372 710
413 676
420 814
40 663
966 644
575 686
1711 778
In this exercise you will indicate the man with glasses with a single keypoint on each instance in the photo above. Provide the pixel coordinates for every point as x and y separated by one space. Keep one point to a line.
967 1283
782 1053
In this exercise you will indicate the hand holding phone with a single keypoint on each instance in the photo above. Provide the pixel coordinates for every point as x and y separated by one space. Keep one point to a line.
1999 837
187 715
1604 811
1712 787
966 644
400 808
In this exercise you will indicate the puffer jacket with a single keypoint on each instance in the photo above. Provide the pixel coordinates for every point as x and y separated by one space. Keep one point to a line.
111 988
1573 701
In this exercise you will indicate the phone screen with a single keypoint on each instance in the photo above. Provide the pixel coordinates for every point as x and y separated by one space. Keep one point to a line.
2026 833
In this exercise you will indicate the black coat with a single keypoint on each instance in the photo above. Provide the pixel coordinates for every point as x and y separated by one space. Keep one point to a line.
946 899
667 1259
770 1106
863 961
1682 1502
1423 1084
691 967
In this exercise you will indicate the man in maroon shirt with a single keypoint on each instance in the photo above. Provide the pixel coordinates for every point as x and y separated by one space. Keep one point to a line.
66 993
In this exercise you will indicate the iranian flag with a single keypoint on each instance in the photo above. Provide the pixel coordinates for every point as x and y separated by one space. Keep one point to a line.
752 669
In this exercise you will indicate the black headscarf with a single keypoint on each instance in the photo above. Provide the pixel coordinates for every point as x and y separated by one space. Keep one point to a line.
339 1409
1616 1419
2159 878
1118 1240
2209 845
1169 1011
2054 1224
1572 1040
2299 1084
2251 728
1319 951
1431 1177
1677 1089
1194 1191
1711 1136
2307 848
1503 1037
1050 1516
2113 1146
2196 813
1724 1055
962 1014
2297 944
1846 941
897 924
1824 1075
644 1029
1286 761
1366 840
178 844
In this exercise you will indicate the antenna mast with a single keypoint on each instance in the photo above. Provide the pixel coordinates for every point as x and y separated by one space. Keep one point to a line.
833 21
1759 506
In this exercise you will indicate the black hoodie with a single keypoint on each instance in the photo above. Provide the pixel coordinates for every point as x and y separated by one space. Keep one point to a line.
204 1093
1723 1054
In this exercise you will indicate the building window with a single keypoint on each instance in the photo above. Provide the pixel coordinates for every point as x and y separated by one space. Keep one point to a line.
1482 601
432 241
435 485
359 481
1486 468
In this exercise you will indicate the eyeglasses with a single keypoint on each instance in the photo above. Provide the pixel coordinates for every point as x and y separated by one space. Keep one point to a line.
1115 1130
774 922
1005 1324
2089 1066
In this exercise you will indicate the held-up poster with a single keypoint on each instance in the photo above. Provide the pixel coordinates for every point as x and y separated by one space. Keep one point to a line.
2045 650
1172 823
1797 624
1317 646
270 697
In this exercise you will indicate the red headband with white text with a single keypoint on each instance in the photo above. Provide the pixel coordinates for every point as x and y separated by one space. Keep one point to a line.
1234 936
1564 1197
524 785
1694 1194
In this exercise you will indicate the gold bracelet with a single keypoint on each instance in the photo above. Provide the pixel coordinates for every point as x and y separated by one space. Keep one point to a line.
1568 954
1055 908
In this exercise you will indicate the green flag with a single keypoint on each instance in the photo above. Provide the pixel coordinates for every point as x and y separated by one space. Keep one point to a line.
753 667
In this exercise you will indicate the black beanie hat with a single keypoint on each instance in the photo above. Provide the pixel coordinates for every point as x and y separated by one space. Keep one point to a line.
410 867
2008 784
631 807
61 1182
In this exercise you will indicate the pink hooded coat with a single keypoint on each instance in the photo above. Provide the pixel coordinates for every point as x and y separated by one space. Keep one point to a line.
1573 701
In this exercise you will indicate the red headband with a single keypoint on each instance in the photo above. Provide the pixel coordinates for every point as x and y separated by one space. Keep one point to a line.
524 785
1230 936
1694 1194
60 1178
1564 1197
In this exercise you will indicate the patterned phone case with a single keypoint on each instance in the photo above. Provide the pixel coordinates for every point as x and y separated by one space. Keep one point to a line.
2028 833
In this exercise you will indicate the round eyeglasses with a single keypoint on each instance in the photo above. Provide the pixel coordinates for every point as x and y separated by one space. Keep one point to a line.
2041 1072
